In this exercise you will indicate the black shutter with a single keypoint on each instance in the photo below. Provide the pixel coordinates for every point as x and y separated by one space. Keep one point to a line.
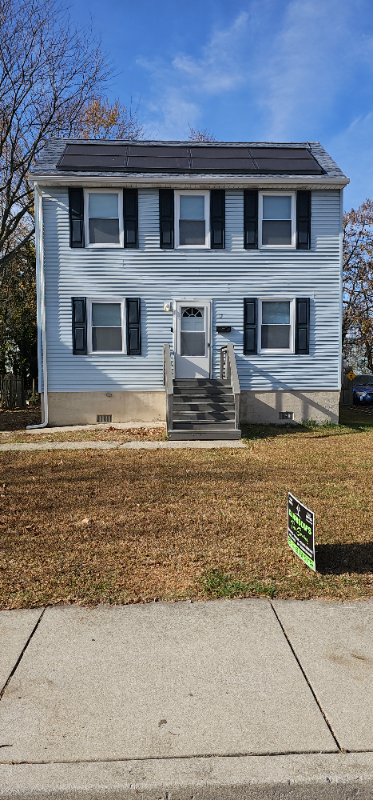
76 210
217 214
250 325
79 317
130 218
133 305
302 326
251 219
303 220
166 218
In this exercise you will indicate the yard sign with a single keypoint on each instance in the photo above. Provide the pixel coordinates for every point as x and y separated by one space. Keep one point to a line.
301 531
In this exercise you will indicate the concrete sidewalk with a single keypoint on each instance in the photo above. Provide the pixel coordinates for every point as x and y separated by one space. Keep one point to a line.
168 701
135 445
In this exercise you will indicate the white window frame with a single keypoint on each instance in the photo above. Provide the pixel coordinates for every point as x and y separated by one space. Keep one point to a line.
117 300
206 195
102 245
278 350
291 246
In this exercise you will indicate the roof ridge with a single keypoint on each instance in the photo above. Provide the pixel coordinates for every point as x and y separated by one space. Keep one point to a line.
175 142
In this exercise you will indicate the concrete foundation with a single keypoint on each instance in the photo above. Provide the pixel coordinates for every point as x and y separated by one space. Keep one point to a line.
265 407
82 408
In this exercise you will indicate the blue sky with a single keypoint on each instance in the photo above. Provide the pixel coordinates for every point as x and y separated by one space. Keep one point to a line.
251 70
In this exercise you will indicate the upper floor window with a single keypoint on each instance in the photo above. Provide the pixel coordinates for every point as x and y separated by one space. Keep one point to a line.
103 218
192 219
276 219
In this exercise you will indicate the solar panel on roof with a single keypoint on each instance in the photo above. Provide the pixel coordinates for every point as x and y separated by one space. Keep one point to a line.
101 148
286 165
158 151
154 162
296 160
78 162
107 157
225 164
280 152
220 152
89 157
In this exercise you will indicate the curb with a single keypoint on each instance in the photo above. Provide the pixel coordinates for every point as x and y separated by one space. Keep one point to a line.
339 776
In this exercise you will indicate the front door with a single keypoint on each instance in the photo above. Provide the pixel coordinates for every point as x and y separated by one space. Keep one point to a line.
192 334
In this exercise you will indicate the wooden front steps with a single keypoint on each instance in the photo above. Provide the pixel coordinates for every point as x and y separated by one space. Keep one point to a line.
203 409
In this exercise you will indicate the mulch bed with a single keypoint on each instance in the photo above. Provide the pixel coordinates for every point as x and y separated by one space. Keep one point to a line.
18 419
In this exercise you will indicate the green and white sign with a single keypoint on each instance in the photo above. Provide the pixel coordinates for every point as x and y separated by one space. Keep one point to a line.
301 531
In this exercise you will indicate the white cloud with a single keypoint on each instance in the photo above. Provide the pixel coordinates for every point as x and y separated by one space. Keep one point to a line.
180 86
289 71
352 149
219 68
314 53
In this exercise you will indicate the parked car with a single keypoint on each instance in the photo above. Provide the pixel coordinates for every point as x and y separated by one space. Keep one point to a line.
363 389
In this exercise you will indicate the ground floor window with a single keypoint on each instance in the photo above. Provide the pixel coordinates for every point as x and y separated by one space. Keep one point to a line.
276 326
106 319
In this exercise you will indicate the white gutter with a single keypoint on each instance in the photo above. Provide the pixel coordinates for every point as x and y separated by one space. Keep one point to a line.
41 302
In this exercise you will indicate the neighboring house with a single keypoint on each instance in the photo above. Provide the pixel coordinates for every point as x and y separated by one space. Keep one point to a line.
196 258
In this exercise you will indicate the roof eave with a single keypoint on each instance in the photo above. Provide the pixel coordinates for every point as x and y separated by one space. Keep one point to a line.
82 179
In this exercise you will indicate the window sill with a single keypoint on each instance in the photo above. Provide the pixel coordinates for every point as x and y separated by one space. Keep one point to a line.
276 352
277 247
104 247
106 353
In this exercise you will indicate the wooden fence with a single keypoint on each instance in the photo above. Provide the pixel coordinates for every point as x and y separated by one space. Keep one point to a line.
12 391
346 392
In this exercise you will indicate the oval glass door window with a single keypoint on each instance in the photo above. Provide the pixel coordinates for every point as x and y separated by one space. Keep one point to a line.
193 336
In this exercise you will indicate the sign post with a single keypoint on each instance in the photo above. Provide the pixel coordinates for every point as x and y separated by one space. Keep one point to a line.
301 531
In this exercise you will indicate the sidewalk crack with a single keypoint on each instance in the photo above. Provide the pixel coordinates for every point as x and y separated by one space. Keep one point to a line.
22 654
306 679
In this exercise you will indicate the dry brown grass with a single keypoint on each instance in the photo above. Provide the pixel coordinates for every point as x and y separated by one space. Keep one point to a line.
132 526
13 424
111 434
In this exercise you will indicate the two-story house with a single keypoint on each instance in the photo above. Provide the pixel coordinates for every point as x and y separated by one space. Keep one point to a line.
201 282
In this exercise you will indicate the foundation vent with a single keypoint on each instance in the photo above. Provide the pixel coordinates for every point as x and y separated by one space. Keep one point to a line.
104 418
286 415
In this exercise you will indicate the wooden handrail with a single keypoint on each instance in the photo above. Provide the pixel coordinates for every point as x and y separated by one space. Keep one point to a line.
228 370
169 385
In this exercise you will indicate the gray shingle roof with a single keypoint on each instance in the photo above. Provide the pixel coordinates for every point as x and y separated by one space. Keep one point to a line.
47 164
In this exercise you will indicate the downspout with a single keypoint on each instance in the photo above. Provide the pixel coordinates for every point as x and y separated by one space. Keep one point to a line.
41 302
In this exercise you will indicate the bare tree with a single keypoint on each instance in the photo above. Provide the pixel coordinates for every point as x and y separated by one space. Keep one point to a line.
100 119
48 72
196 135
357 326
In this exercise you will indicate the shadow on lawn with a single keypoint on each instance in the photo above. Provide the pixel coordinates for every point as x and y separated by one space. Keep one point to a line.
250 432
337 559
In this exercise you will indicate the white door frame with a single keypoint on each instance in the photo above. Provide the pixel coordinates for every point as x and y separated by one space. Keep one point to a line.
199 303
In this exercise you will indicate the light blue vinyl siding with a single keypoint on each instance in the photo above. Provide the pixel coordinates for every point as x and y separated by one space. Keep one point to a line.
225 277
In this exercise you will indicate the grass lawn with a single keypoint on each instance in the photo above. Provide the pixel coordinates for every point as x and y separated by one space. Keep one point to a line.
133 526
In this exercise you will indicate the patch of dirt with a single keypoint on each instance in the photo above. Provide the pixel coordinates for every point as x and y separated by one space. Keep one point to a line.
18 419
